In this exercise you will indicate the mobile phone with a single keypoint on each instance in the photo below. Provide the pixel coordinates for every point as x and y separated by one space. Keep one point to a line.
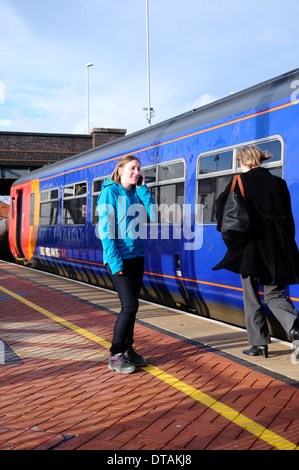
140 180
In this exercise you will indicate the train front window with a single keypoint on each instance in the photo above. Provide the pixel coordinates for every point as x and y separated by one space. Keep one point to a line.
48 214
32 206
74 204
13 207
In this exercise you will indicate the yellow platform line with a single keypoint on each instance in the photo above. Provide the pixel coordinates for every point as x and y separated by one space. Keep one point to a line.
60 320
227 412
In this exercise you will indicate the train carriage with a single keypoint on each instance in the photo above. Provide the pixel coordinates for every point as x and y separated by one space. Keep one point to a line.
187 161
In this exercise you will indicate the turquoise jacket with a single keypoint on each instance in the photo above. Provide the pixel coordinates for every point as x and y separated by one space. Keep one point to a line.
121 222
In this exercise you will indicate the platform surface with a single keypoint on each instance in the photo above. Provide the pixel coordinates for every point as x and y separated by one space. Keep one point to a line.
199 391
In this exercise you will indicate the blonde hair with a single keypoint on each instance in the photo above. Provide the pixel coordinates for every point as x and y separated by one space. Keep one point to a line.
251 156
120 164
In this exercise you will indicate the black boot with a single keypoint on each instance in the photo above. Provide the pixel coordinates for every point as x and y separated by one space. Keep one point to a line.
257 351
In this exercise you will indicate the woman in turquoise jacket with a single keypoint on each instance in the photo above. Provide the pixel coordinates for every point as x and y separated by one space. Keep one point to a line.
123 205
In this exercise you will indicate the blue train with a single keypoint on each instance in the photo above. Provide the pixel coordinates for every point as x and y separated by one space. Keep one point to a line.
187 161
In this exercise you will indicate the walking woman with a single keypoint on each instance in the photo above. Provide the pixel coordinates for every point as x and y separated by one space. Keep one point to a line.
123 204
270 258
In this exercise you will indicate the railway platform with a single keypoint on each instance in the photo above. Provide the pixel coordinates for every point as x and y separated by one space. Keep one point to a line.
199 391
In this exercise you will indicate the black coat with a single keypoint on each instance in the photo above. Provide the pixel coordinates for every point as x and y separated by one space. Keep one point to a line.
271 256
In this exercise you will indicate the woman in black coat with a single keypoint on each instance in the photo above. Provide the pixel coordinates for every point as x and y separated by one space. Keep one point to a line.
271 257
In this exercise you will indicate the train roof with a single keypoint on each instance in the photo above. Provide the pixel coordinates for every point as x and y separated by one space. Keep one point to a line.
251 98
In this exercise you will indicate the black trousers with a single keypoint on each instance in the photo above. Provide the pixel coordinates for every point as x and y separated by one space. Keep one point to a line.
127 286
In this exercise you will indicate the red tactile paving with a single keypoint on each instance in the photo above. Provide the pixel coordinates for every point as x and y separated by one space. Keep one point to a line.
60 398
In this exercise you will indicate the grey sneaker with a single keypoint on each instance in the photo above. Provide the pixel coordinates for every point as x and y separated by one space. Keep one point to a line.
135 358
121 364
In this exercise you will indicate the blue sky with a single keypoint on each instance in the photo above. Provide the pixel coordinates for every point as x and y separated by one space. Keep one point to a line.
199 51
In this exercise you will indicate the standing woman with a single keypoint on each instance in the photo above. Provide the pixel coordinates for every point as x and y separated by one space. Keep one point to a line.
270 258
122 206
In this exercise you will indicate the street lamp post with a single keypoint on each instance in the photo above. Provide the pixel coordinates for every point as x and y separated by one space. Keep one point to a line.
149 109
87 91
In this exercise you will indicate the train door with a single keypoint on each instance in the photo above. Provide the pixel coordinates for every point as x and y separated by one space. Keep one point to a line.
24 220
32 224
19 222
164 269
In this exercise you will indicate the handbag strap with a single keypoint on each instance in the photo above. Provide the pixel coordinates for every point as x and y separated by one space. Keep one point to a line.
238 178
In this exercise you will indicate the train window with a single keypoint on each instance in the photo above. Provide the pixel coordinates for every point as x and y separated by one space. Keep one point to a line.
219 161
207 193
216 170
96 189
48 207
171 203
54 194
208 189
44 196
13 207
171 172
74 204
166 183
150 175
69 191
274 147
276 171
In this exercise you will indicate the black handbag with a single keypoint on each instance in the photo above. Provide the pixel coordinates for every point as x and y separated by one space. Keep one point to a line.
236 223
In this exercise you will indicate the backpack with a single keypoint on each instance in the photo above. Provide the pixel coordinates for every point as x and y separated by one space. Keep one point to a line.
236 223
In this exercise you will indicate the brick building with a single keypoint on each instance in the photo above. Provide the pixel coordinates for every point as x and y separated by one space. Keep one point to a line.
22 152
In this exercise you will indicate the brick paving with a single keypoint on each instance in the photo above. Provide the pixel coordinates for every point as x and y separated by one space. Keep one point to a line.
56 391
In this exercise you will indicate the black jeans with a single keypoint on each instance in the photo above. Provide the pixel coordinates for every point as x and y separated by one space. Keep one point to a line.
128 286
